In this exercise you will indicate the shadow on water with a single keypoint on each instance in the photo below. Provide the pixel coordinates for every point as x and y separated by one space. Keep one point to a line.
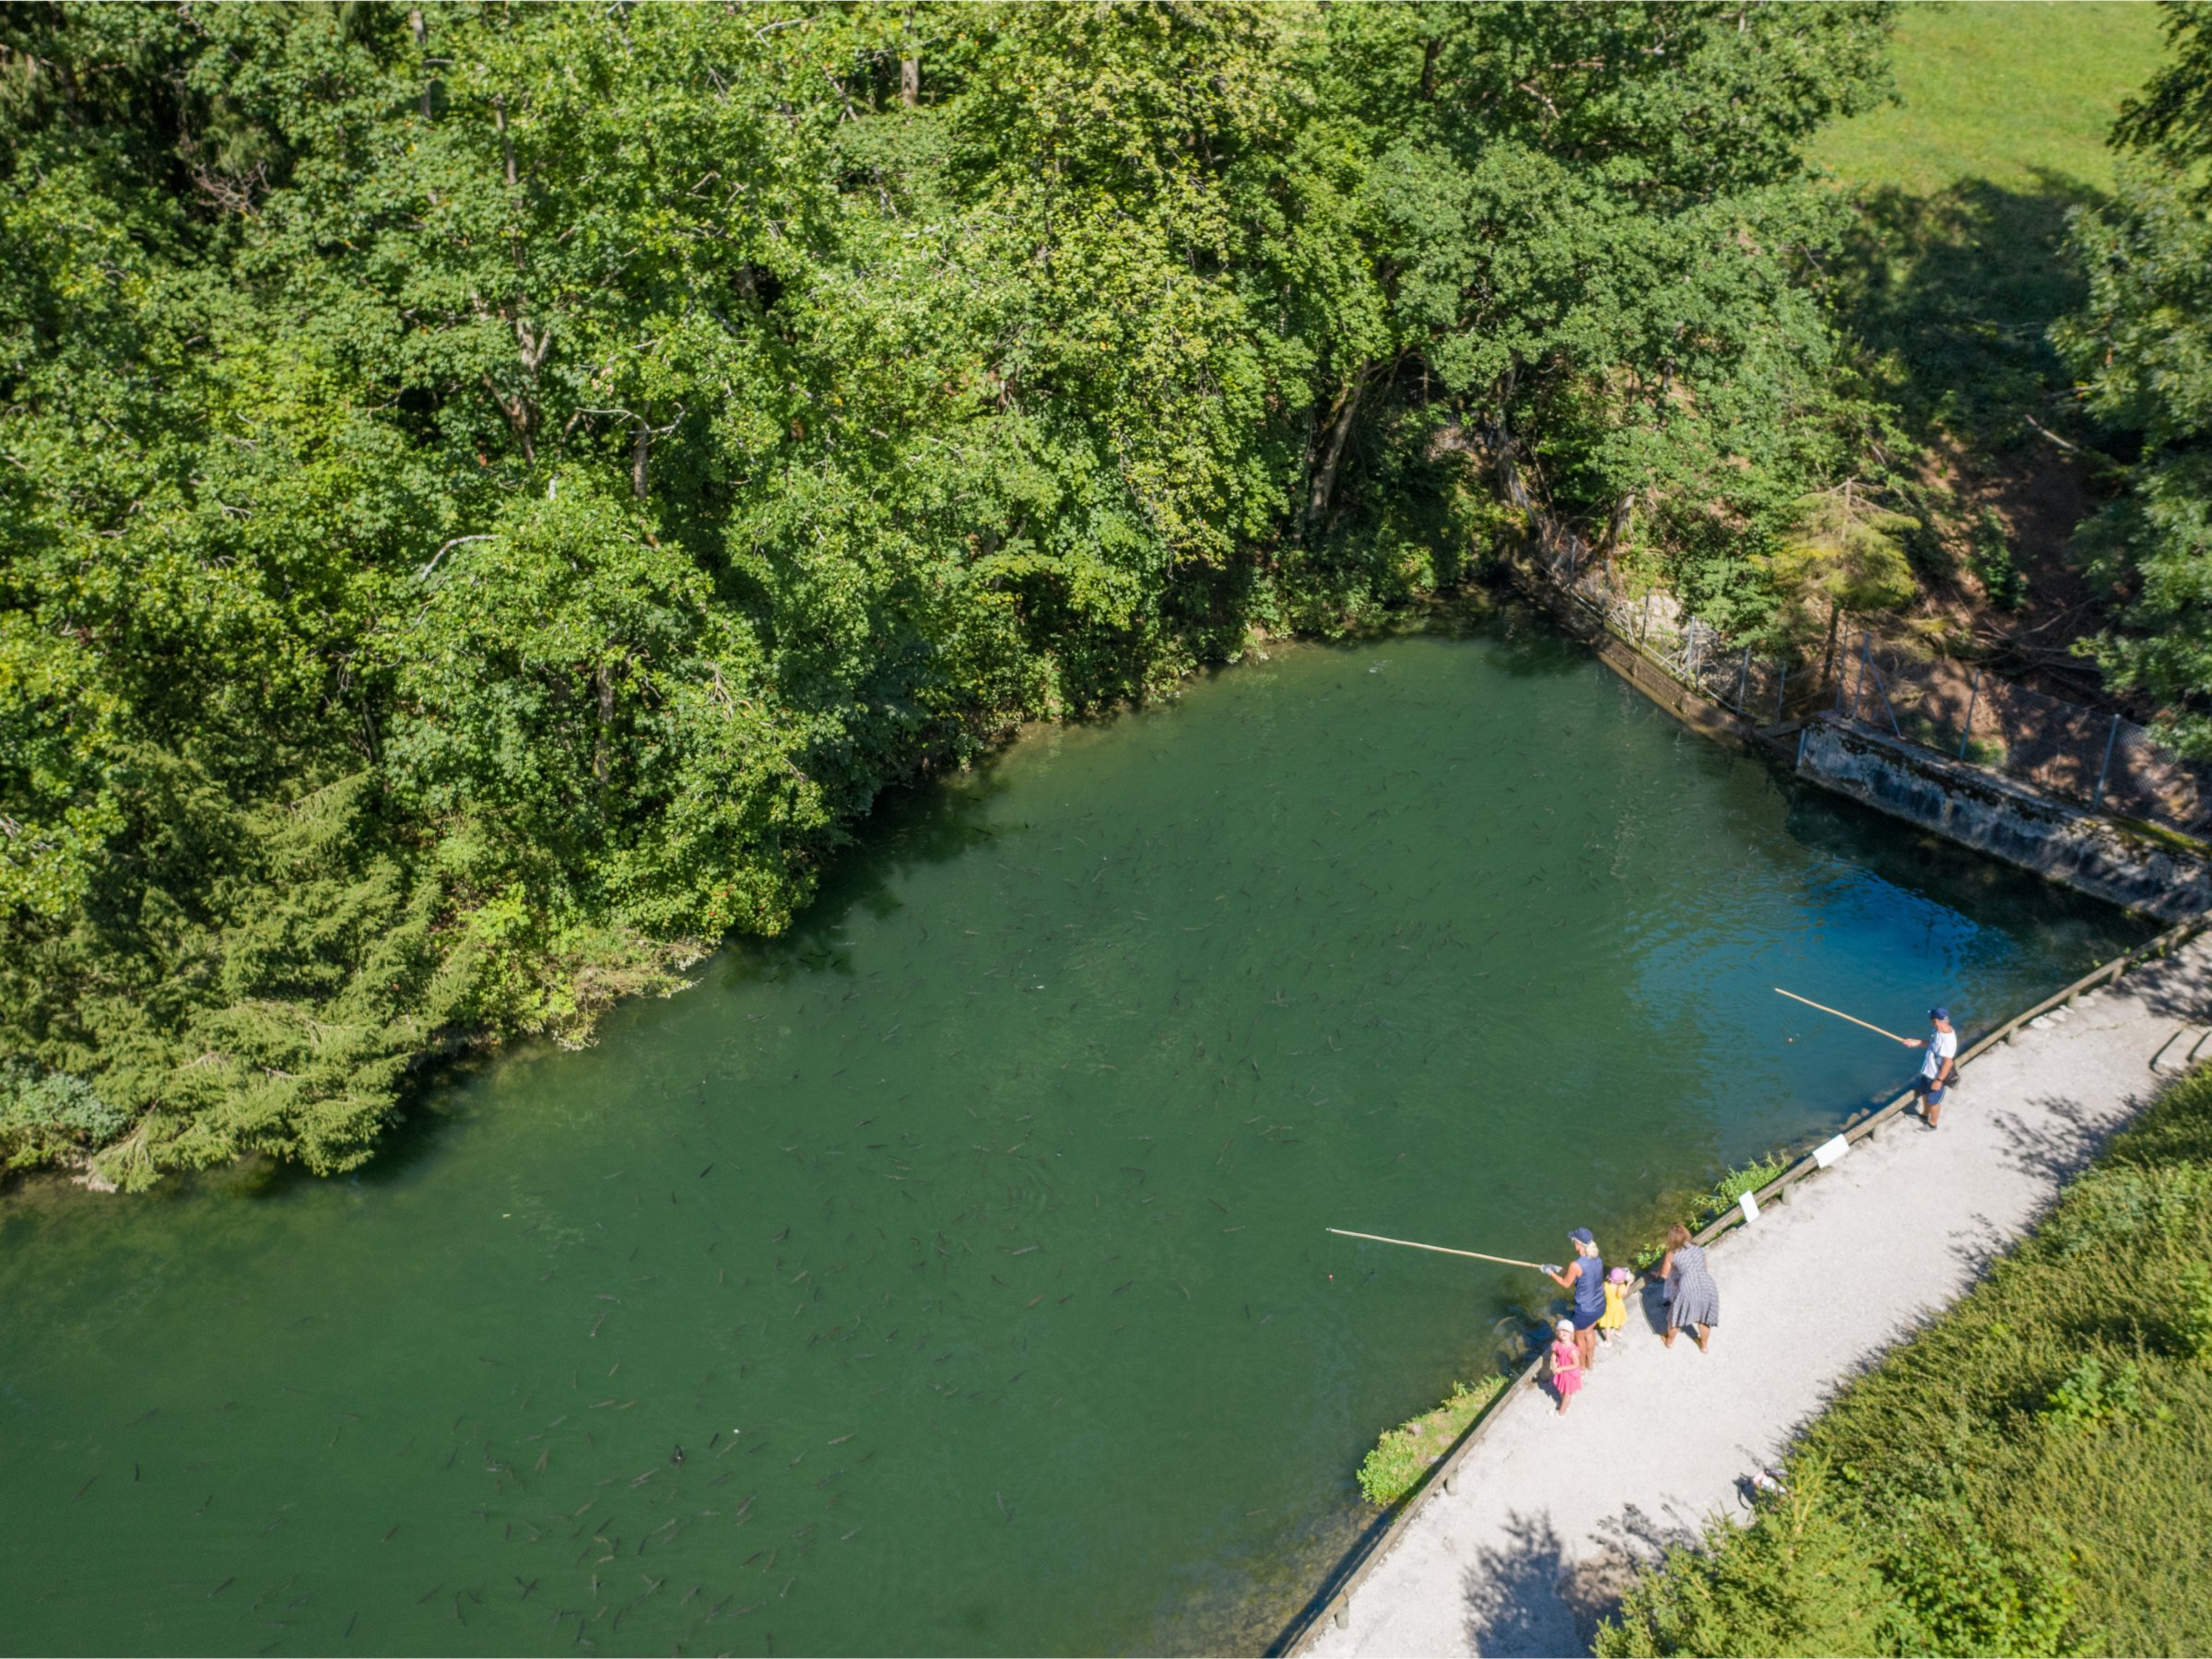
931 822
1530 646
910 828
1931 866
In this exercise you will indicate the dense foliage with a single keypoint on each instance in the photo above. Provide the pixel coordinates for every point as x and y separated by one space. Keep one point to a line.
2025 1477
491 490
2142 347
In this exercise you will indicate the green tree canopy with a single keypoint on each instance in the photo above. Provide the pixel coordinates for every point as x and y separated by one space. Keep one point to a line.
492 491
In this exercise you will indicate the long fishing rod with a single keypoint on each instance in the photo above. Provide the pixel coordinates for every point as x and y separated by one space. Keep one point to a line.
1838 1013
1440 1249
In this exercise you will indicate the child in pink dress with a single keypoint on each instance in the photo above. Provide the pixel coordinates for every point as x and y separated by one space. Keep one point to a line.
1566 1364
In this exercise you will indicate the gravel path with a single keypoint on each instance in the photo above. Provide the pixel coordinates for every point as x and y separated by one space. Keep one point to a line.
1530 1551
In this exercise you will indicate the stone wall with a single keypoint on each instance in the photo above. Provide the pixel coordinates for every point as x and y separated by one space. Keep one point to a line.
2146 870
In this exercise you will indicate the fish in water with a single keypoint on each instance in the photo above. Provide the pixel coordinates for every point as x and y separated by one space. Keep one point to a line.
677 1456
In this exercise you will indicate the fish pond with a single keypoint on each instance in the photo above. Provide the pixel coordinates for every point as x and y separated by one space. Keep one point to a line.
950 1276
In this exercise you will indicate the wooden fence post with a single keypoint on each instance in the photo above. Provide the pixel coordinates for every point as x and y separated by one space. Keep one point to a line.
2097 800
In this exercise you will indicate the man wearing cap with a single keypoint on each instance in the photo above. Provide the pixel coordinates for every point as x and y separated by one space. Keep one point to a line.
1940 1066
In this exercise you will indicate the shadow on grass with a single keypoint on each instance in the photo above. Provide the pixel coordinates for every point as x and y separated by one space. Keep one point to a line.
1953 295
1956 292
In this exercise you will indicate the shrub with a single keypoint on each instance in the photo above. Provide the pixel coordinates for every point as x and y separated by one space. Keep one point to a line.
1722 1198
2129 1207
46 1114
1797 1580
1735 1184
2191 1329
1404 1455
1957 1592
2084 1397
1991 561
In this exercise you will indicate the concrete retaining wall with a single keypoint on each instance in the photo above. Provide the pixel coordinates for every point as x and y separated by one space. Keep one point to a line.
2144 872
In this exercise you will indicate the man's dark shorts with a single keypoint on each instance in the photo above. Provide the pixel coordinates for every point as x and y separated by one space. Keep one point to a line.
1929 1094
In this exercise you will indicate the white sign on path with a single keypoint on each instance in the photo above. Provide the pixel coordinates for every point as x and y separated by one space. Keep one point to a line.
1751 1206
1830 1151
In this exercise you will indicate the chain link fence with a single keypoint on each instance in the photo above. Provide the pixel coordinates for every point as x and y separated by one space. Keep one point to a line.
1765 691
2100 760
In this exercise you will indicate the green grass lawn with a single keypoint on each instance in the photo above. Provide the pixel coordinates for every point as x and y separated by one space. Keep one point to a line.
2001 91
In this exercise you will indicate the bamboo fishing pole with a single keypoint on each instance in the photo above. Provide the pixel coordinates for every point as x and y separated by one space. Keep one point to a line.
1440 1249
1838 1013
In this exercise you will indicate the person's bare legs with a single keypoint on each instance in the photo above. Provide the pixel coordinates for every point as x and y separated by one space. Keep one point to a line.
1669 1339
1703 1333
1585 1344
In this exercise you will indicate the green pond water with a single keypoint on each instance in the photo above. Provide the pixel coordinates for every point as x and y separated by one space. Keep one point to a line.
989 1204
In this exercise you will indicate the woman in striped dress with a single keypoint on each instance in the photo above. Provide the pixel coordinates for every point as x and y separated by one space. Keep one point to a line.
1692 1299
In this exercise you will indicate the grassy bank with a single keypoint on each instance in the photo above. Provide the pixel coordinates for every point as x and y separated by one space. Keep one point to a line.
2028 1476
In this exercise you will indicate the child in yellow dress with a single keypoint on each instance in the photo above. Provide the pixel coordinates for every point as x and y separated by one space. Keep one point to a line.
1616 1305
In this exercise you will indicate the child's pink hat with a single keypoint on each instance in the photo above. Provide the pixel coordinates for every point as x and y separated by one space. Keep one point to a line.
1619 1275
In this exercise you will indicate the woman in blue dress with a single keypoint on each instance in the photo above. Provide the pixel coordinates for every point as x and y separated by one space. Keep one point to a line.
1585 1275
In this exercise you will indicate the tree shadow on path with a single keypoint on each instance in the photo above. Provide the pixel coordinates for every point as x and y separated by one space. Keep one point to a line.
1529 1596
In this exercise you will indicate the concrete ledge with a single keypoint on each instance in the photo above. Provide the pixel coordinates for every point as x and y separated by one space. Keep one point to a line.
2140 872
